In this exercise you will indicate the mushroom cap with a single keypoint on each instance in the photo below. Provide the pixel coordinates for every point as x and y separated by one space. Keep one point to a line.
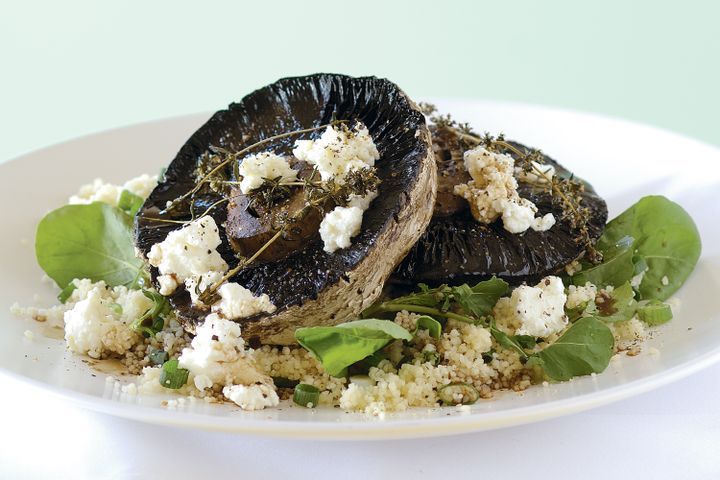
310 286
457 249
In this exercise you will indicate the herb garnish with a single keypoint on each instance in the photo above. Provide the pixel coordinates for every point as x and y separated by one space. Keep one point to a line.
566 193
462 303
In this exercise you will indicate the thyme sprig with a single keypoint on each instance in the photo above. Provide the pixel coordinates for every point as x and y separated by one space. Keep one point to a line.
566 193
225 157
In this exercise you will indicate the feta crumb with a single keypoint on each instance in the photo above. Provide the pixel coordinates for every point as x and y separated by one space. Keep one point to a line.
29 335
167 283
99 191
252 397
492 193
339 226
190 251
218 353
665 280
239 302
540 309
338 151
199 283
202 382
255 168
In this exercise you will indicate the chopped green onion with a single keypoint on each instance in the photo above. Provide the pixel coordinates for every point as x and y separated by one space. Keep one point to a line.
155 315
66 292
306 395
172 376
158 357
282 382
116 308
458 394
654 312
428 323
129 202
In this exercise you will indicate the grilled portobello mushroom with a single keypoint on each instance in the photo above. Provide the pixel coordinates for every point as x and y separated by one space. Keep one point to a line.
457 249
308 286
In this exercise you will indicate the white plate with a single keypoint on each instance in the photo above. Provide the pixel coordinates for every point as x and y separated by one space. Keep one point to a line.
623 160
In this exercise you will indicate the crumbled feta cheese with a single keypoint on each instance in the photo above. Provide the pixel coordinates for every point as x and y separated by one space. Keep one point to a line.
665 280
94 328
252 397
338 151
167 283
255 168
29 335
540 309
520 215
362 202
339 226
189 251
202 382
218 353
239 302
577 295
196 285
492 193
99 191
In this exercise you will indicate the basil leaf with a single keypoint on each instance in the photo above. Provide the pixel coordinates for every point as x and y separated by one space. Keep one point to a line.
92 241
433 327
665 237
617 266
340 346
584 348
480 299
129 202
620 305
391 329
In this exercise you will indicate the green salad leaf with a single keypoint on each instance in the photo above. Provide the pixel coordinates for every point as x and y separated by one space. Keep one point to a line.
92 241
511 342
584 348
340 346
617 266
462 303
666 245
619 306
480 299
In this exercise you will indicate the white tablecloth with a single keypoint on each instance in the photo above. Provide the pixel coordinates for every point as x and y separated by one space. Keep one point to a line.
669 433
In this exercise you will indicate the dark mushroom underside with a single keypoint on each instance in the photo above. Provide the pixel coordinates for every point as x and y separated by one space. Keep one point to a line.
457 249
289 104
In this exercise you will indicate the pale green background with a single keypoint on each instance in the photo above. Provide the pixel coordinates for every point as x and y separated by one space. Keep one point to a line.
74 67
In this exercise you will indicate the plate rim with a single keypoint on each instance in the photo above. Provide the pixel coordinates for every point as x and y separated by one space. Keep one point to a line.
376 430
